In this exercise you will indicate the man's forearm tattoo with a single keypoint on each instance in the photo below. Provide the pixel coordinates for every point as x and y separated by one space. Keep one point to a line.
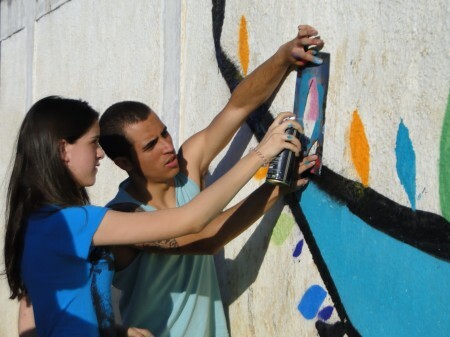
160 245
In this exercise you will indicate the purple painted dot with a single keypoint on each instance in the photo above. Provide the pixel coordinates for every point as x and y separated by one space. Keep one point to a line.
325 313
311 301
298 249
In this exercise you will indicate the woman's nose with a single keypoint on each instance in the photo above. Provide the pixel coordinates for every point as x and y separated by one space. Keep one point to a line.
100 152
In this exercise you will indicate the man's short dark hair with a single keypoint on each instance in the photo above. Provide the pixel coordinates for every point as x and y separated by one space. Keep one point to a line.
113 122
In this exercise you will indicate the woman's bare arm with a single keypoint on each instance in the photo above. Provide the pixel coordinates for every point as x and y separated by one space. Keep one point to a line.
128 228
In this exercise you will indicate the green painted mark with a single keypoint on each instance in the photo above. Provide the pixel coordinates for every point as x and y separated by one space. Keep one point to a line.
282 229
444 164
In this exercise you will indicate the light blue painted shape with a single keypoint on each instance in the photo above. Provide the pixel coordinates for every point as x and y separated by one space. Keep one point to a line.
406 163
311 301
388 288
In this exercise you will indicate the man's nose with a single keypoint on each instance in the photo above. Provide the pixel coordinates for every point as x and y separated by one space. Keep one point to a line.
168 145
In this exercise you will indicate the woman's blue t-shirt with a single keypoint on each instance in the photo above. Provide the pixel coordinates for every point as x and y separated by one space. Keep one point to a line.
64 274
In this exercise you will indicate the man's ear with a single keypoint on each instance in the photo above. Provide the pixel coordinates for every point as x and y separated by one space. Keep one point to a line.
63 150
124 163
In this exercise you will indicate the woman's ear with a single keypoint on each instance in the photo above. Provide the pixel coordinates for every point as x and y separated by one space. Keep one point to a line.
63 150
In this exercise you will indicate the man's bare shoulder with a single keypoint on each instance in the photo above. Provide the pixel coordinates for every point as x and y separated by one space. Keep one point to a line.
190 156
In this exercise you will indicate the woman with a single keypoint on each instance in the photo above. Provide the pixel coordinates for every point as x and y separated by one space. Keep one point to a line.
52 230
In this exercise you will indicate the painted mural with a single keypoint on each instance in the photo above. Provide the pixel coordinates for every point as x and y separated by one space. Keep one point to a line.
385 266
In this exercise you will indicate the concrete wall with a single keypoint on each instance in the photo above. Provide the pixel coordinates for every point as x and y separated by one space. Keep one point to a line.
365 248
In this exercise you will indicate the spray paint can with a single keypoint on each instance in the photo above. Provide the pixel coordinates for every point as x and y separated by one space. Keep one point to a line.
281 168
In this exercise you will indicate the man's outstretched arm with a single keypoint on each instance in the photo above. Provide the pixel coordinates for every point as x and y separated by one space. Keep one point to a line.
199 150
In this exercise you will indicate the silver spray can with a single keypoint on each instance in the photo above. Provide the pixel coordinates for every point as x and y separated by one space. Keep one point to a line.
281 168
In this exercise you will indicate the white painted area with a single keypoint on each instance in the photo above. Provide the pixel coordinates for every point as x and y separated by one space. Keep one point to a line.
389 60
171 14
30 13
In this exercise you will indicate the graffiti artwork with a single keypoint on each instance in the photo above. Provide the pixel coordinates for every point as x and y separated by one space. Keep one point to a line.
309 106
386 266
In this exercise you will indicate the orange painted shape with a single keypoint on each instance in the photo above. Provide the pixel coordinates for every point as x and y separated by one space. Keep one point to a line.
261 173
244 51
359 147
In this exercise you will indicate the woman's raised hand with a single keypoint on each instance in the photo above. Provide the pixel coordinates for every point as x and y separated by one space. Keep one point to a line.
276 140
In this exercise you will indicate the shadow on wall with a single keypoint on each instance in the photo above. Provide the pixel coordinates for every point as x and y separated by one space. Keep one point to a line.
238 275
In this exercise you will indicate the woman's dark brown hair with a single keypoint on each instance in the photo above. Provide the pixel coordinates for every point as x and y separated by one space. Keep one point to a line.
39 176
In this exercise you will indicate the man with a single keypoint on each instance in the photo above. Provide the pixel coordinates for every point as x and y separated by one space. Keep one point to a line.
167 289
